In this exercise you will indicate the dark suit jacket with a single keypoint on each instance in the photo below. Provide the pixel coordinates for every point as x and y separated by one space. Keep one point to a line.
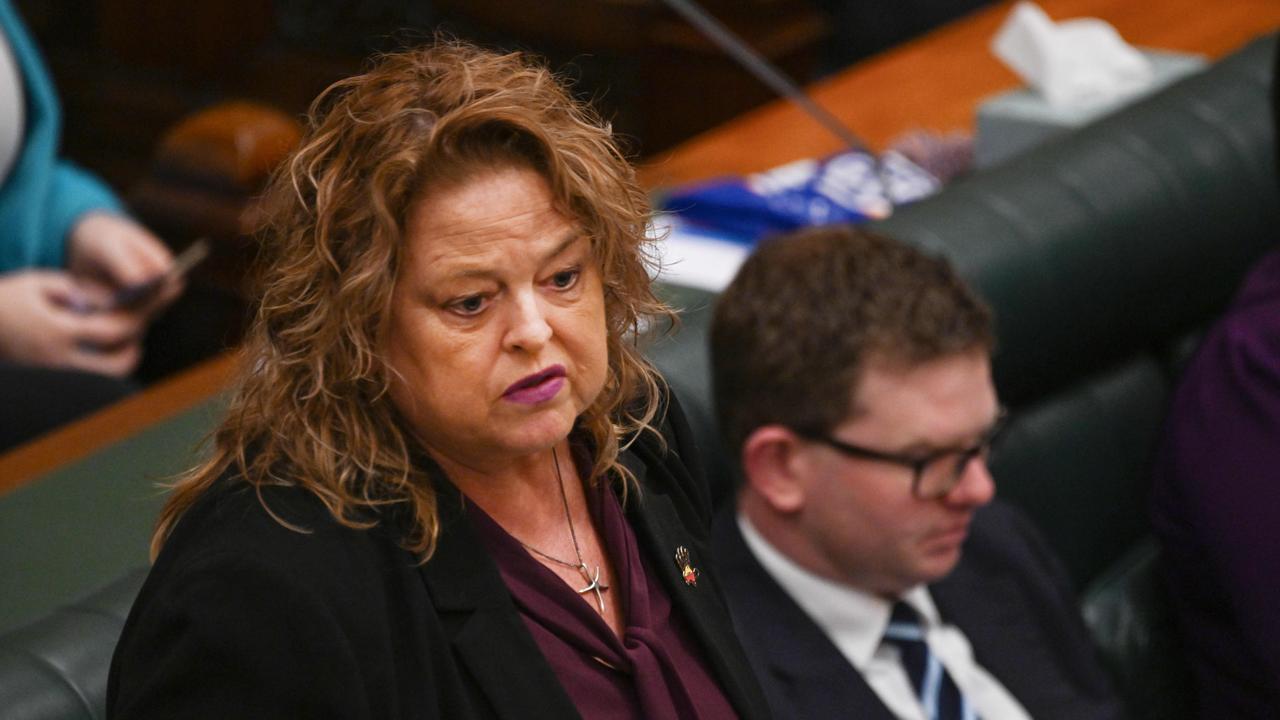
1008 594
242 617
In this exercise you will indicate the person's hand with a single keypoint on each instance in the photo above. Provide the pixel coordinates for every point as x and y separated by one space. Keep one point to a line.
119 253
40 326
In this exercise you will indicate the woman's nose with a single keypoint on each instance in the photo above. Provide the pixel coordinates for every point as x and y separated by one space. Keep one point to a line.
529 329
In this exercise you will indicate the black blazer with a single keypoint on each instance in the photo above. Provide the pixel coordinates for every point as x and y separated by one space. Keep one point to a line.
241 617
1008 594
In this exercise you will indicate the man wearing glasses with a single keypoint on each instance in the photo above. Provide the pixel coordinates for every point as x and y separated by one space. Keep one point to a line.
869 571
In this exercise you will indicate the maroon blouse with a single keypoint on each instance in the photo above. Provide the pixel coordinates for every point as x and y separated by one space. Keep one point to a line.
654 671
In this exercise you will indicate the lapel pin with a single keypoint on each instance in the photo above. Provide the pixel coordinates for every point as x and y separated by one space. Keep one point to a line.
687 570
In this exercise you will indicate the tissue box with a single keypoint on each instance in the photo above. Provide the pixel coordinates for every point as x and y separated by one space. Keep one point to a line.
1018 120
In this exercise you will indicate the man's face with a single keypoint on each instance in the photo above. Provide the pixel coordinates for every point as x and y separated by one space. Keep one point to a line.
860 522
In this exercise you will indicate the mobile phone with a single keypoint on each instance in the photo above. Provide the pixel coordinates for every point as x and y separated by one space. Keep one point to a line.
140 293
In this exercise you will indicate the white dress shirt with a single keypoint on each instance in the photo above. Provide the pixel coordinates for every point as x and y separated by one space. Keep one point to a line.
855 622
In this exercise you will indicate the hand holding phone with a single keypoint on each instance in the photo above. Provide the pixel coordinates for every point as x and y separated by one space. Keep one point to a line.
136 295
140 294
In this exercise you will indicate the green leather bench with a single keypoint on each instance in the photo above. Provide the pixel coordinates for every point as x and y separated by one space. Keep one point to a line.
1102 253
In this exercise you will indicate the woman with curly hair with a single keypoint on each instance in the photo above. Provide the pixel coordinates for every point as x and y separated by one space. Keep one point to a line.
448 484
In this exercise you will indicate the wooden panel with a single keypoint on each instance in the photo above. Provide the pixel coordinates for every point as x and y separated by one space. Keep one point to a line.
645 68
201 38
79 439
936 81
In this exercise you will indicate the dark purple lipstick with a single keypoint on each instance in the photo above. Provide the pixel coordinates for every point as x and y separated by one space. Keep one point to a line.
538 387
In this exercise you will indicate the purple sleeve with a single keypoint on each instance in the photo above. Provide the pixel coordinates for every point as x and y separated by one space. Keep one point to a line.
1217 493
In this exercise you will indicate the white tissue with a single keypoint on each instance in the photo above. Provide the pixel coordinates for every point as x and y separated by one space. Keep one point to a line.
1072 63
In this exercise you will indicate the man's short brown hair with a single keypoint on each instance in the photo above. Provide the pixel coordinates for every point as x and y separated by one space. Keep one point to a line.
793 332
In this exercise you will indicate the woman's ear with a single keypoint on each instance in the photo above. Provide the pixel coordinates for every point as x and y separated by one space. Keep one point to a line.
773 469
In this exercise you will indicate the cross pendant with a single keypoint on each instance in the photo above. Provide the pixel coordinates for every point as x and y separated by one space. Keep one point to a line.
593 584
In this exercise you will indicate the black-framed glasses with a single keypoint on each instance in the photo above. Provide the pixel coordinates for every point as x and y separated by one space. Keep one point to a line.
934 474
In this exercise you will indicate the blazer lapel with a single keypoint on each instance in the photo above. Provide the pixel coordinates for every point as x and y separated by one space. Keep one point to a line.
477 611
1002 630
802 670
815 680
661 531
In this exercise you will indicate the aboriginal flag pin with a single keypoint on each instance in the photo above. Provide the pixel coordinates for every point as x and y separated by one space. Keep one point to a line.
687 570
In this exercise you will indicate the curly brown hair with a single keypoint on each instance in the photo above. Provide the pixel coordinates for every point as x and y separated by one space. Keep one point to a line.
312 407
792 334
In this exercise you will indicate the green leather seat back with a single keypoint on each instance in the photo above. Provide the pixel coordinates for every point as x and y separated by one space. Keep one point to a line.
57 667
1076 462
1133 623
1120 236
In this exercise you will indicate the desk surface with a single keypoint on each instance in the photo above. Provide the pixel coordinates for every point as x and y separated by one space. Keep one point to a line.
936 81
933 82
128 417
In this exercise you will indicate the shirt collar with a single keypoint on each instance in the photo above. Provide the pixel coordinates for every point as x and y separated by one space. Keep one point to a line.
854 620
921 601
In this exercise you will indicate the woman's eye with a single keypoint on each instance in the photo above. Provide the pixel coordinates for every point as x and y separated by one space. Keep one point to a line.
470 305
565 279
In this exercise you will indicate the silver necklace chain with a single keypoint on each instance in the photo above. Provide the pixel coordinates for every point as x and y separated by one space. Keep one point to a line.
590 577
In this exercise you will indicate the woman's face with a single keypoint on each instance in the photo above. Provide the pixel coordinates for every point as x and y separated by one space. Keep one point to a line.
497 335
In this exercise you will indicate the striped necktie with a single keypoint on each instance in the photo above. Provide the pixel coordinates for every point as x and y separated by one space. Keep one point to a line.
936 690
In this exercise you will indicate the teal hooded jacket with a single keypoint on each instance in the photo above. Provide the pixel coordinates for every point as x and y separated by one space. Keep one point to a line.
44 195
